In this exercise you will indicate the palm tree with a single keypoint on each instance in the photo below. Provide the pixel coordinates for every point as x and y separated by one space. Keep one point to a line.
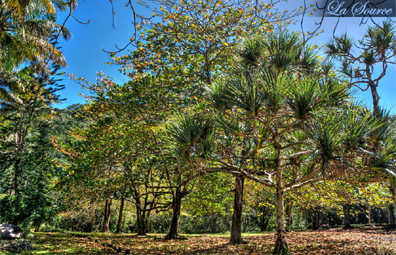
25 30
190 138
284 121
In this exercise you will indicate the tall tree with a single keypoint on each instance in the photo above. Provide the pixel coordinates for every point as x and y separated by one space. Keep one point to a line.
284 120
366 68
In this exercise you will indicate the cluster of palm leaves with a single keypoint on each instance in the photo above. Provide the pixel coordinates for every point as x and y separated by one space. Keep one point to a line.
283 120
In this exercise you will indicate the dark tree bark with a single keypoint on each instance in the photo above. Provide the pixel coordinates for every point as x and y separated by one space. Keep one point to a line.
176 206
264 219
313 215
213 223
141 222
391 209
369 214
106 219
236 228
119 224
37 226
141 214
392 189
347 215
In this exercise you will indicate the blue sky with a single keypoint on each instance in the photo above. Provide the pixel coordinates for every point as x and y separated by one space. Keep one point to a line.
85 55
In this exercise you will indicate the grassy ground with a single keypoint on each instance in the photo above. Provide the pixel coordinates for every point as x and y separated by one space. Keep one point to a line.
356 241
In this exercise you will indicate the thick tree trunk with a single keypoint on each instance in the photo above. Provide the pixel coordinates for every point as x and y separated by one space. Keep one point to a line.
141 221
176 206
347 215
106 219
281 247
236 228
119 224
289 212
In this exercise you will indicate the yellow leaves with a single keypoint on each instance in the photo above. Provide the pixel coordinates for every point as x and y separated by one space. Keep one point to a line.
319 57
138 26
162 8
226 44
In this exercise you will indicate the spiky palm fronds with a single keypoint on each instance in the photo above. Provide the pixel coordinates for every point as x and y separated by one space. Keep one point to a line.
190 136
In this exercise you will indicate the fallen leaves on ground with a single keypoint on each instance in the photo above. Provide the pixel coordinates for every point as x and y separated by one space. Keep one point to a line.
355 241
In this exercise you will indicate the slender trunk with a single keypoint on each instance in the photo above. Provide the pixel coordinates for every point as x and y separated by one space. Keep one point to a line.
392 189
105 215
264 219
213 223
369 214
119 224
289 211
375 97
176 206
392 216
281 247
347 216
236 228
226 219
93 219
106 220
37 226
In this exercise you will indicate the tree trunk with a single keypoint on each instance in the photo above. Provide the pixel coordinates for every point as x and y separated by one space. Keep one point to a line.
213 223
37 226
236 228
176 206
369 214
375 97
347 216
119 224
281 246
289 212
93 219
392 189
264 219
106 220
226 219
141 222
391 209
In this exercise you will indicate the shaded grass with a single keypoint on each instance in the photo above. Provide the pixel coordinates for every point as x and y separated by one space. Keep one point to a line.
355 241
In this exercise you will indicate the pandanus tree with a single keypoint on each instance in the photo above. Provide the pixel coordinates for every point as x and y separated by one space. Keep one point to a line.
284 121
366 67
376 50
190 138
